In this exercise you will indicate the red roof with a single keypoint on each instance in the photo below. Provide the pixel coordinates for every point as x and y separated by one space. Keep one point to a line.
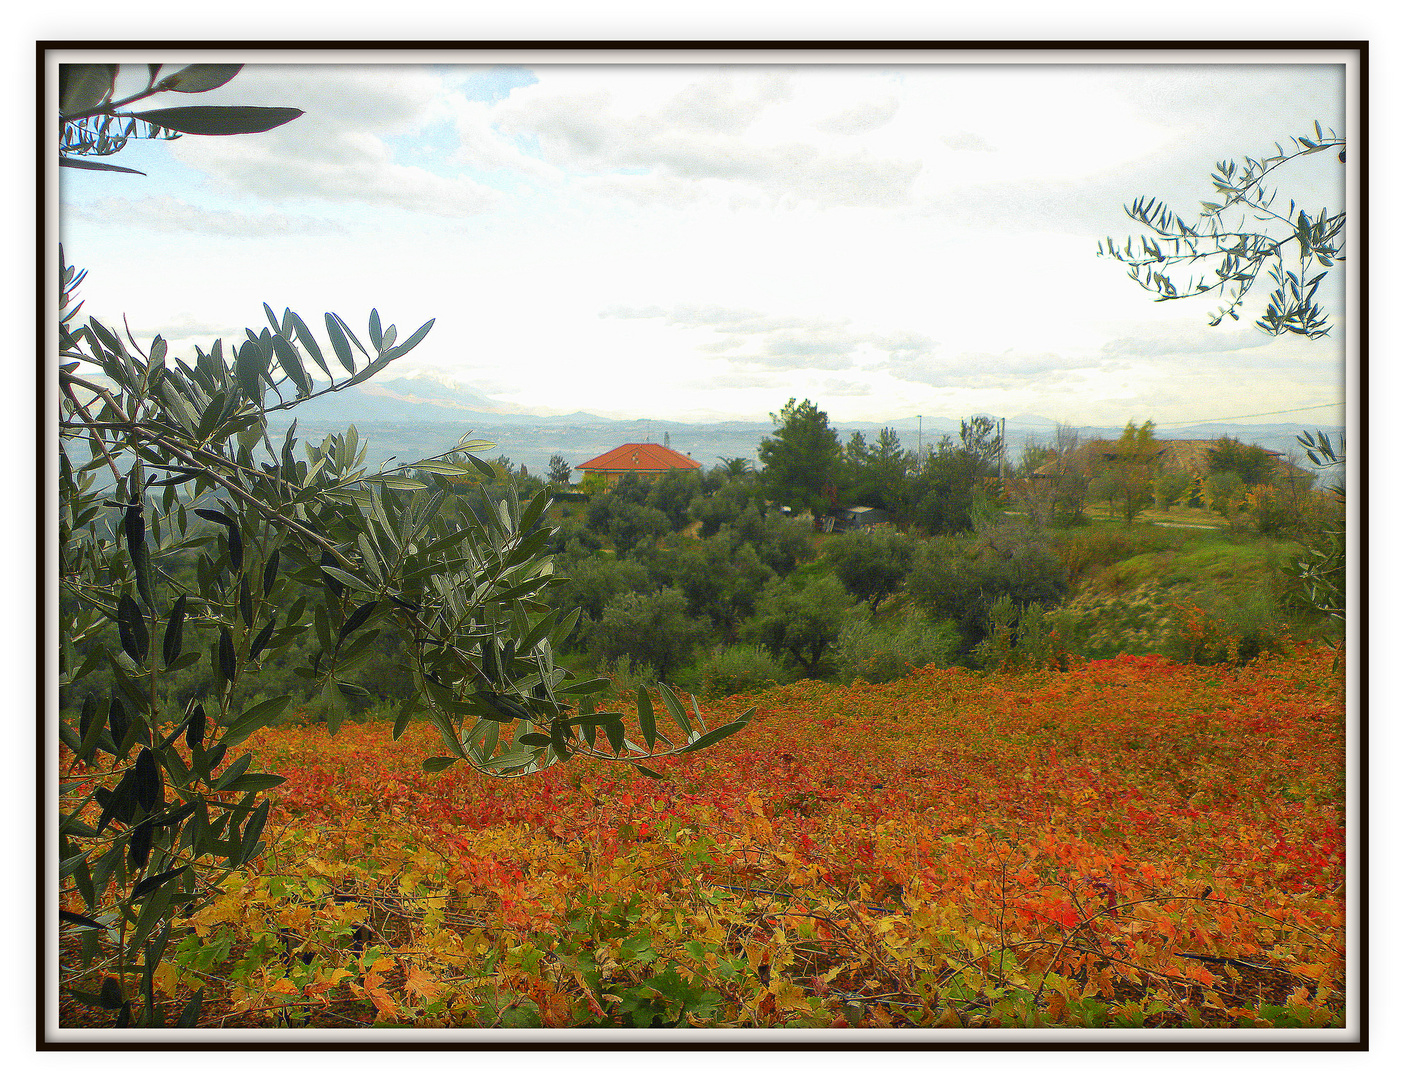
639 457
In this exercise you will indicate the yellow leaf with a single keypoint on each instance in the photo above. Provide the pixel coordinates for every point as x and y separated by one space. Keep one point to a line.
420 984
166 978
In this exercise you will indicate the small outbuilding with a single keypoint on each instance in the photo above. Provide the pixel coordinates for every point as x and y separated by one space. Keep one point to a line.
855 519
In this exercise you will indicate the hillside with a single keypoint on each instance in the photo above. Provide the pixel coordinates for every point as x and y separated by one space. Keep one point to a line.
1132 843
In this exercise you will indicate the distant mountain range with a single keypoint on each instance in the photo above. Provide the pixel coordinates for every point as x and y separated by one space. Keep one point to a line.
407 419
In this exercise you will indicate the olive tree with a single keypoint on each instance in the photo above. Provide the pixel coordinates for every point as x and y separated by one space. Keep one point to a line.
163 458
1238 234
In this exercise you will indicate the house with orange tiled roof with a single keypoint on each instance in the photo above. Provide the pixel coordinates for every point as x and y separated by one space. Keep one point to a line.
644 459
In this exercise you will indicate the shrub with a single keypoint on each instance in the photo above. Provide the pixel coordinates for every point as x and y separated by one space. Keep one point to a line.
1229 632
651 628
1171 488
960 578
1225 494
740 669
1087 550
1026 638
871 566
720 576
598 580
880 654
780 542
630 525
627 675
800 621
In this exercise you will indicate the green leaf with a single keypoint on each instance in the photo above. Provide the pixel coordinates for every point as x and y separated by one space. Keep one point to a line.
197 78
647 720
146 780
249 368
512 759
95 166
356 620
341 577
308 342
534 738
406 713
252 781
438 764
715 736
170 647
232 773
84 86
674 708
587 686
190 1015
340 344
408 343
131 628
253 831
219 119
255 717
81 920
228 667
151 884
291 363
648 772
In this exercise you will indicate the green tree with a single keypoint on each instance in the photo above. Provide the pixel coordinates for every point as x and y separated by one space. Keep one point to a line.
1225 494
1321 570
871 566
800 620
875 475
1244 234
801 458
558 471
736 468
721 578
961 578
592 583
1251 463
979 438
309 547
1126 469
650 628
726 505
941 495
1238 234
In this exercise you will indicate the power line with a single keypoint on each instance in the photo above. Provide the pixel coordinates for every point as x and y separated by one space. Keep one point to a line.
1252 416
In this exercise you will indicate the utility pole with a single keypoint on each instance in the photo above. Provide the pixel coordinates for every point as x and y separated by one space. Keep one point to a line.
920 440
1002 447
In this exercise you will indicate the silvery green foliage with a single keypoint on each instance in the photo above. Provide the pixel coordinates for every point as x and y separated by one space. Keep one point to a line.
1237 236
1322 570
165 462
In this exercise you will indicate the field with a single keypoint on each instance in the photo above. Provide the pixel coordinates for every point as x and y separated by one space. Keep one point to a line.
1131 842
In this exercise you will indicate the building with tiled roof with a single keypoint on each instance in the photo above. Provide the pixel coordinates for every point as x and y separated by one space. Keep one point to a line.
1174 455
645 459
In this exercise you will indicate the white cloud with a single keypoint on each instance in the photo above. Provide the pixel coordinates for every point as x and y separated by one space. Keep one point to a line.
165 213
864 116
680 128
661 240
337 150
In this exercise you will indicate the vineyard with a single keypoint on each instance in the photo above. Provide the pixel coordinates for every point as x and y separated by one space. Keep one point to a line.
1130 843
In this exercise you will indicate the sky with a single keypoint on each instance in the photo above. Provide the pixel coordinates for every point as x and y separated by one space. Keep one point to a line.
704 242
